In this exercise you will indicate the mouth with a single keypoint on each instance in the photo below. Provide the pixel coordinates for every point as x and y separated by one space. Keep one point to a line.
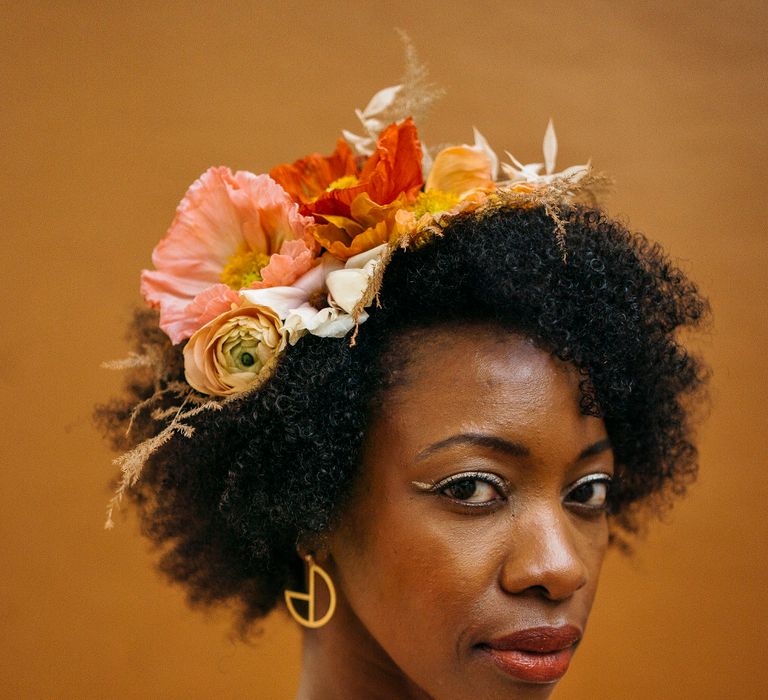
536 655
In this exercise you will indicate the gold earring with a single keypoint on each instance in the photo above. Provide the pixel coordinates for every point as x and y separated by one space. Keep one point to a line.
309 596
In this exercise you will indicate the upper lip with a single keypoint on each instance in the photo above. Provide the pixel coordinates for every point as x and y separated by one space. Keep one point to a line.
541 640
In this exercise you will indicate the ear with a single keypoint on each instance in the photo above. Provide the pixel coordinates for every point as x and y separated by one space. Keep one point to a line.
318 544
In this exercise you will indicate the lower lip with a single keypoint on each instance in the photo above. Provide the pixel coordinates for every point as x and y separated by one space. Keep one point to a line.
531 666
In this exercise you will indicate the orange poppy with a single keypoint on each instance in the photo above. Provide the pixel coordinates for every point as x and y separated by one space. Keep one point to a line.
309 177
367 226
393 170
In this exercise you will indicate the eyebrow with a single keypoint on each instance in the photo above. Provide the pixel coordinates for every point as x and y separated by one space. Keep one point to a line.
514 449
595 449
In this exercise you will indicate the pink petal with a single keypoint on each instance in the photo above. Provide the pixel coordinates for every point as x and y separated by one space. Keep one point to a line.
172 295
211 303
223 214
205 232
177 323
269 215
284 268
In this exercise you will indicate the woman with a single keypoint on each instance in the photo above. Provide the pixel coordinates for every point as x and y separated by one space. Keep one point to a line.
412 410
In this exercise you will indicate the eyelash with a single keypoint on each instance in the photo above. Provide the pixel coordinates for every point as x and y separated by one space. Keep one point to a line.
484 477
501 487
601 479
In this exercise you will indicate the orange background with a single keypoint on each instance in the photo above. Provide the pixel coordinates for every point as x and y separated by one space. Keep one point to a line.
110 110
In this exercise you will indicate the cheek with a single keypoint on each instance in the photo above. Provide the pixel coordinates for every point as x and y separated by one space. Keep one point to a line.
593 541
413 580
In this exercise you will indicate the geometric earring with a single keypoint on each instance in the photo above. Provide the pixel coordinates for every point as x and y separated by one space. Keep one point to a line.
309 621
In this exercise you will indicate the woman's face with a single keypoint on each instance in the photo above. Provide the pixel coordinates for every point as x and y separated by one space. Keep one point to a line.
469 555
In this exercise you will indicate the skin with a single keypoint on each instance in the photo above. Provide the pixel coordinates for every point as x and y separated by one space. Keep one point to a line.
422 577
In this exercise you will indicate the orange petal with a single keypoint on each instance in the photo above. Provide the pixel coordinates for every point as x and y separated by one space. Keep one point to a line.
368 213
307 178
394 169
338 244
460 170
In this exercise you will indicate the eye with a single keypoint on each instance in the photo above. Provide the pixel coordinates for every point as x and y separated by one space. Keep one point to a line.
590 492
472 489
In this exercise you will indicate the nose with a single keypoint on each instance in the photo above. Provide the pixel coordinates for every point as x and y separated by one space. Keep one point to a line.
543 557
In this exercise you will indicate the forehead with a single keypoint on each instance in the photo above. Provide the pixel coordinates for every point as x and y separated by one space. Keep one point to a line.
478 361
479 378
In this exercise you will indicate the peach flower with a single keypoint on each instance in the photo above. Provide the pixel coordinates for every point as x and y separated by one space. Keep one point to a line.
227 355
231 231
462 170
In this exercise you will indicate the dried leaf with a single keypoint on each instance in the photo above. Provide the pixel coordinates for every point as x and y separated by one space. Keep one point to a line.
363 145
482 145
382 100
550 148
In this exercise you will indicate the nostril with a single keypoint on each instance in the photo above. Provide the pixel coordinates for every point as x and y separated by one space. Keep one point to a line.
540 591
552 593
552 574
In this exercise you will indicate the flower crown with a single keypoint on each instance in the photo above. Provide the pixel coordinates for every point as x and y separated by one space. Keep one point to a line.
251 263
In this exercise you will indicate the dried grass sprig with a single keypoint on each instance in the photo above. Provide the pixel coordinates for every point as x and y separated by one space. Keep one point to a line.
132 462
418 93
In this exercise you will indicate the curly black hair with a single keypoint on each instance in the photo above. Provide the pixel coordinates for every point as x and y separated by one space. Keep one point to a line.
228 504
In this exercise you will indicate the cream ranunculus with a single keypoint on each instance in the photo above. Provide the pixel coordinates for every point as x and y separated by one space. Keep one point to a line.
234 350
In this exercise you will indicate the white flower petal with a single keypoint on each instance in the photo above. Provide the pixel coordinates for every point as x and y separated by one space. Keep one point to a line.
381 100
515 161
426 161
550 148
512 173
295 325
361 259
363 145
330 263
281 299
531 172
575 172
327 323
331 323
373 126
311 281
482 146
347 287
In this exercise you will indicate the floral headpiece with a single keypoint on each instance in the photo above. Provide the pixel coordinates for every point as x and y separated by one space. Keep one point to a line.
251 263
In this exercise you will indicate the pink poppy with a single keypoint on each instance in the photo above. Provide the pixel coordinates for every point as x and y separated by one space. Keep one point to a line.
231 232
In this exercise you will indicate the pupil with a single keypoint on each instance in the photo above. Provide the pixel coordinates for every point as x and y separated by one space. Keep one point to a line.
462 490
582 493
246 359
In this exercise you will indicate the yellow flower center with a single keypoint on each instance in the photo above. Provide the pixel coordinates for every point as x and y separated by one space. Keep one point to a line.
433 202
243 269
342 183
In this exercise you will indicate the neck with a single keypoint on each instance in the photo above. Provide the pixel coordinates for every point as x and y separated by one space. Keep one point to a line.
342 660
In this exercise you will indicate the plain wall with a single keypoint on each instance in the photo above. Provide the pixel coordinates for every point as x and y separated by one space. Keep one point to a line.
110 110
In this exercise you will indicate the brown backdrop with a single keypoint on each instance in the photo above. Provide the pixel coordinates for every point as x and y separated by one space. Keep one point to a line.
110 110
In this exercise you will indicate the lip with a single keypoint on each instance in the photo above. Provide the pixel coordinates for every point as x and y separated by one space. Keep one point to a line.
535 655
